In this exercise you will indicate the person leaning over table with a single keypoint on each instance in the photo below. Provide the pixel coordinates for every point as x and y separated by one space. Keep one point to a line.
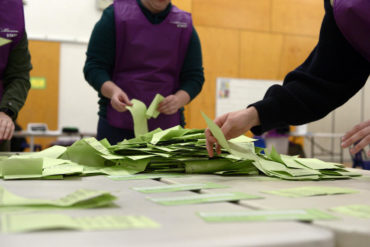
15 65
336 69
137 49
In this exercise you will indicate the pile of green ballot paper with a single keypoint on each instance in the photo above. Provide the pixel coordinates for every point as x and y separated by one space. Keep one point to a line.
175 150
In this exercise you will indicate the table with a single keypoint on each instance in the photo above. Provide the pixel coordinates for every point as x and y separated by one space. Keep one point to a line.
179 224
48 133
348 231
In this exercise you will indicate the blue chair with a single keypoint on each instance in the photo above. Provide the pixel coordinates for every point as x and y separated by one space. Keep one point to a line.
361 160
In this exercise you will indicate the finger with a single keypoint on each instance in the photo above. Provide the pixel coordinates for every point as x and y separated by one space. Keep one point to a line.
11 132
209 142
7 131
356 136
168 110
218 149
118 106
353 131
368 153
359 146
124 99
2 129
164 104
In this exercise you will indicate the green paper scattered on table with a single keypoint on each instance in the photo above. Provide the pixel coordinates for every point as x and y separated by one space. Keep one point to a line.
311 191
144 176
21 168
178 187
51 152
152 109
79 199
266 215
203 198
43 222
359 211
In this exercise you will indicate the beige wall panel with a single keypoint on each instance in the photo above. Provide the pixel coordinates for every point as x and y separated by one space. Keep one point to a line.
241 14
220 58
260 55
297 16
183 4
295 51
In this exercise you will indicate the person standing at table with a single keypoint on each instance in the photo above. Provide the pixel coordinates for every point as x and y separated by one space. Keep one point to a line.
15 66
137 49
336 70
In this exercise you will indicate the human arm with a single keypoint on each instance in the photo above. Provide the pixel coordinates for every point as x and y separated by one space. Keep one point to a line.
16 82
359 136
100 55
331 75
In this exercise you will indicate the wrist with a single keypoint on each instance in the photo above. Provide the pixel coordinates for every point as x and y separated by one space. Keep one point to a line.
252 116
7 111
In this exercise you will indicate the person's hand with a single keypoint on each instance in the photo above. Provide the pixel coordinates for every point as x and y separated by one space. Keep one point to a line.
359 135
118 98
170 105
6 127
232 124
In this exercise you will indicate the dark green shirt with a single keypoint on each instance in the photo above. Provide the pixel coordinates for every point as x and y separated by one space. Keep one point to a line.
16 79
101 55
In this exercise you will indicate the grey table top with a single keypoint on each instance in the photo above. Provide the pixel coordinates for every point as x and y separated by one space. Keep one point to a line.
180 226
349 231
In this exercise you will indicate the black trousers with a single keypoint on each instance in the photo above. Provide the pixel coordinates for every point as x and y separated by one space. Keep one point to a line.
113 134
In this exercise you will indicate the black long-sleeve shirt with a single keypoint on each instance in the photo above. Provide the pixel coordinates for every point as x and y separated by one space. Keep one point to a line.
330 76
16 79
101 54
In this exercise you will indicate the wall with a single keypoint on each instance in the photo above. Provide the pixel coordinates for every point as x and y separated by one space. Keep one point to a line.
69 22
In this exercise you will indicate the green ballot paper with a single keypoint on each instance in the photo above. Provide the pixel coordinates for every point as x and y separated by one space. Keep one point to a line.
138 112
359 211
144 176
203 198
266 215
152 110
42 222
178 187
82 198
4 41
311 191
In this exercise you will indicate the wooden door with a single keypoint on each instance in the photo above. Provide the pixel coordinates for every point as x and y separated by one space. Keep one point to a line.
42 102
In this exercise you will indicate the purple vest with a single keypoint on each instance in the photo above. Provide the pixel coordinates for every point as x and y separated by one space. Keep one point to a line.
149 58
353 19
12 28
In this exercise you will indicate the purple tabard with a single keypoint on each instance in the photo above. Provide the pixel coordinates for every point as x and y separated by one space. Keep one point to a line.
149 58
11 28
353 19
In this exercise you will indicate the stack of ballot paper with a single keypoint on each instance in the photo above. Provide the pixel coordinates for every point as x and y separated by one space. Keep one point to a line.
175 150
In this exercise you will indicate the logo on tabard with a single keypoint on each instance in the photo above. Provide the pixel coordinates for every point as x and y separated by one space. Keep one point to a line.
180 24
9 33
